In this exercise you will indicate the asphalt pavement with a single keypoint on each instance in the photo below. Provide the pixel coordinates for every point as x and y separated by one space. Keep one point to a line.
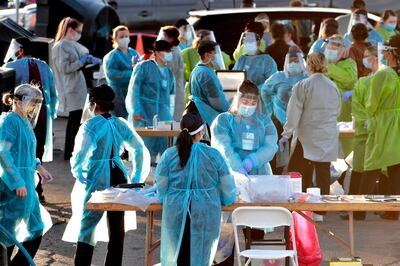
377 241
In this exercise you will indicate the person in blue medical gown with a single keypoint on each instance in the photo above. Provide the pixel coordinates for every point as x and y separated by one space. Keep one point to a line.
193 182
246 138
276 92
118 65
20 211
258 67
149 91
38 72
206 89
96 164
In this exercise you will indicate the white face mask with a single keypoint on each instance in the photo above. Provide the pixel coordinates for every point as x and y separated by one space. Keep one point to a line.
123 42
294 68
247 110
167 57
77 37
251 48
331 55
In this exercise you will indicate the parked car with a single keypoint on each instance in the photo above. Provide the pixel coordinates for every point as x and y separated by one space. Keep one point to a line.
228 24
150 15
26 18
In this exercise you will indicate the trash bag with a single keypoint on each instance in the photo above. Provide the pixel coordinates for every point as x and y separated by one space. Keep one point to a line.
308 250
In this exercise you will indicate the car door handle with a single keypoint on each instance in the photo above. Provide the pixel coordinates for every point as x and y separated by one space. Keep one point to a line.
145 13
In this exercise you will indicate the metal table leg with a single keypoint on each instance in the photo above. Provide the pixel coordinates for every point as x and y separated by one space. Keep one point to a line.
351 232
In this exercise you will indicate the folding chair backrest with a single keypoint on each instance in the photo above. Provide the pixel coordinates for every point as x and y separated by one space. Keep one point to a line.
261 217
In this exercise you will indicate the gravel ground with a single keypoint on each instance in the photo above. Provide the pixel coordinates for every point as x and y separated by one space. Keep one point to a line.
377 241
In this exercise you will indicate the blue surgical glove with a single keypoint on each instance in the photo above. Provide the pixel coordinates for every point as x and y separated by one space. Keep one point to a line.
247 165
282 142
135 59
84 58
242 171
95 60
347 95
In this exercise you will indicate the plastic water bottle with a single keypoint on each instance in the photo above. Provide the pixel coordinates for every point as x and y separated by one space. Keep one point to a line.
155 121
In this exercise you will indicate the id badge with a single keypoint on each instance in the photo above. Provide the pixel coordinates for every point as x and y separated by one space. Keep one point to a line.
248 141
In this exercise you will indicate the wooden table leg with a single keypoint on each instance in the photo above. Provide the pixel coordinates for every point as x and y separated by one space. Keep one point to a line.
170 141
351 232
149 238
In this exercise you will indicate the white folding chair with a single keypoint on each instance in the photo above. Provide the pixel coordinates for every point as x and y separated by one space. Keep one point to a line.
263 217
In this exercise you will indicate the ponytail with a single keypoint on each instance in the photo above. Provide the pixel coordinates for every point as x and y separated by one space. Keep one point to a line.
64 25
189 123
8 99
184 144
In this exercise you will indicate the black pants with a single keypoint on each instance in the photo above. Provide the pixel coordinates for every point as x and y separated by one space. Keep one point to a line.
19 259
116 232
355 183
74 121
298 163
276 170
184 251
40 134
392 183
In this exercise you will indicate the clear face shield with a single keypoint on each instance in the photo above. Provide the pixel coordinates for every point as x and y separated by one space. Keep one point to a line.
355 19
245 104
382 50
333 49
87 112
249 42
161 36
31 106
294 64
322 29
219 60
187 33
12 51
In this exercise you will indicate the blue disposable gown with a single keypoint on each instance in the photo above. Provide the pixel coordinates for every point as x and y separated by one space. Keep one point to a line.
238 137
207 93
276 92
258 67
21 67
23 217
149 93
118 70
90 164
318 45
200 188
373 37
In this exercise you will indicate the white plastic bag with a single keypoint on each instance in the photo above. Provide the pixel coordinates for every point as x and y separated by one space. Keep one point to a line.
336 189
